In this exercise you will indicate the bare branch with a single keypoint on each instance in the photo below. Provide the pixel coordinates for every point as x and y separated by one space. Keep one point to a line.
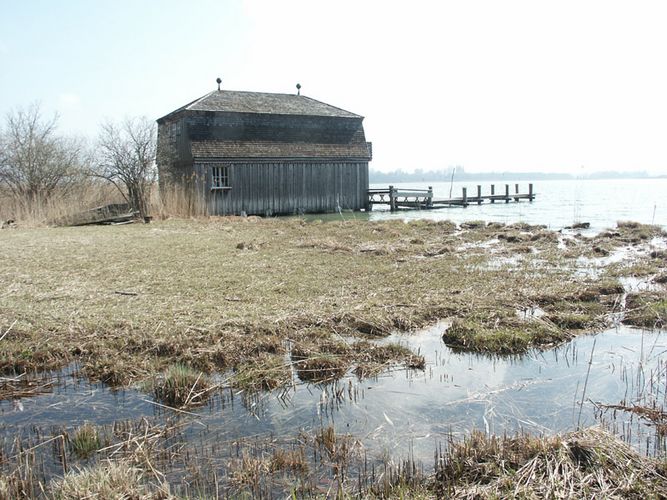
34 160
126 156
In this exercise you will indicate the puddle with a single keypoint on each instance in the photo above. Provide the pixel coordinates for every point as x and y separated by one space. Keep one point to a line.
499 263
592 266
625 254
633 284
485 245
530 313
401 411
658 243
70 402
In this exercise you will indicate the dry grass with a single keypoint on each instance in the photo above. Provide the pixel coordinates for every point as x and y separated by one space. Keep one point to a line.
142 462
83 196
646 309
127 302
87 194
109 480
585 464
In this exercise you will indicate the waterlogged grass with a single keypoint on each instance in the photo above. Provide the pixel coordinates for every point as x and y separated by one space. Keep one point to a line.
181 386
109 480
261 297
85 441
585 464
646 309
467 335
323 463
174 304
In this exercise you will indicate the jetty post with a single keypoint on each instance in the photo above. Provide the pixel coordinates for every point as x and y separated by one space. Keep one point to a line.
398 198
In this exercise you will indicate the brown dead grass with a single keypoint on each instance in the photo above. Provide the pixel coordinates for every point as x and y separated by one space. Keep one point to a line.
216 294
110 480
589 463
646 309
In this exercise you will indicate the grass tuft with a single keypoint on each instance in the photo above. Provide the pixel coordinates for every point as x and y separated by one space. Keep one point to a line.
646 309
181 386
85 441
110 480
589 463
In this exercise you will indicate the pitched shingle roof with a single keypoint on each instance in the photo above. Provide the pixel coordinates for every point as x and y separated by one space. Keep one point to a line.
264 103
271 149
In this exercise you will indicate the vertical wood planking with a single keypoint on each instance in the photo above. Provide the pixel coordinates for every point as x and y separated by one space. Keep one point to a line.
285 188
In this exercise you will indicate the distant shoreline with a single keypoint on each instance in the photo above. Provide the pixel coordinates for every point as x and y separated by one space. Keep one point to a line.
377 177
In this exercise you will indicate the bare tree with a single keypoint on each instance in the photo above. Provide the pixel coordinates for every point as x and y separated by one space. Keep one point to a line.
34 161
126 158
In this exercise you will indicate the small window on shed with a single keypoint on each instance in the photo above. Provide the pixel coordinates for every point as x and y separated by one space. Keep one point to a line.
220 177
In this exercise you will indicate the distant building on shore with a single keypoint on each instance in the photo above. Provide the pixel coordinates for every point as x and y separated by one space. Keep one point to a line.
259 153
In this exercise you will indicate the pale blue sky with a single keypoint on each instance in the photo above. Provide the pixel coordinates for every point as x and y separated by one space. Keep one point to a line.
486 84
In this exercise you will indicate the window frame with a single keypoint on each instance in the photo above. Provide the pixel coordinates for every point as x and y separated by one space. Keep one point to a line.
220 177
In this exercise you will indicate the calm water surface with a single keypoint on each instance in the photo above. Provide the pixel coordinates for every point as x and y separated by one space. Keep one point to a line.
558 203
540 392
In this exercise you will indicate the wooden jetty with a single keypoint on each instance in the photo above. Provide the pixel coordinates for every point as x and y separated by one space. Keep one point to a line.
423 199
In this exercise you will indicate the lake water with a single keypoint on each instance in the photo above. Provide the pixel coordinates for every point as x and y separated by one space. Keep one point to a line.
557 204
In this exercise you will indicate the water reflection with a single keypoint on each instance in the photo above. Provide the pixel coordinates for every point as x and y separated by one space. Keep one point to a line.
541 392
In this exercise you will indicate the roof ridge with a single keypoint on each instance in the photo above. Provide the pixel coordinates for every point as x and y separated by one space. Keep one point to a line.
185 106
196 101
250 101
330 105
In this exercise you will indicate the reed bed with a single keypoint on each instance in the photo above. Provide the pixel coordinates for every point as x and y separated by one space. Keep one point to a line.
39 213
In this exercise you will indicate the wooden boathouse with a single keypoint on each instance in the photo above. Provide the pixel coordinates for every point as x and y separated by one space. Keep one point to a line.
259 153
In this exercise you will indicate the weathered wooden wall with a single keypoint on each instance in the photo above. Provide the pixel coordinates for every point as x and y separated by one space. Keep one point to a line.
278 163
203 126
272 188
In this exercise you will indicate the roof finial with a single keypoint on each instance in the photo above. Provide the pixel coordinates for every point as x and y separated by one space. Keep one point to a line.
219 81
298 89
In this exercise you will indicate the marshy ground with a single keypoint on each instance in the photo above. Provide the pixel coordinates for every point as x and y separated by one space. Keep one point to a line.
183 308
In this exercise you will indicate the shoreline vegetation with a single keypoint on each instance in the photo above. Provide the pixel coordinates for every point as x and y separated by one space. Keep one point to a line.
170 306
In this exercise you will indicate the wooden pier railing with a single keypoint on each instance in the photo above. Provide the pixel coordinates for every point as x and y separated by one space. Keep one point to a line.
423 199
